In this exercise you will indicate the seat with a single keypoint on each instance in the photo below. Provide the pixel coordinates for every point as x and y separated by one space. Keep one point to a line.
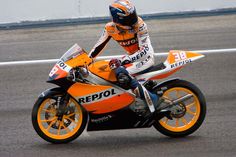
157 67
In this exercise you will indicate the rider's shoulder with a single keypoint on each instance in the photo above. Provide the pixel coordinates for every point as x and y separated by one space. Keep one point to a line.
110 27
142 26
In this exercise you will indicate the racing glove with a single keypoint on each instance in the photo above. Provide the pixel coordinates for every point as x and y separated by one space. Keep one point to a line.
114 64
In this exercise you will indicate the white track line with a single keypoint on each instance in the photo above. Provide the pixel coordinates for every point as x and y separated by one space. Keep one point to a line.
231 50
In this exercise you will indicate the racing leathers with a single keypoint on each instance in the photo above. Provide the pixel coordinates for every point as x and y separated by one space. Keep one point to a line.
140 55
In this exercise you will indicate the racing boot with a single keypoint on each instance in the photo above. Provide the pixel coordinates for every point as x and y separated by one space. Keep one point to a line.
149 98
154 103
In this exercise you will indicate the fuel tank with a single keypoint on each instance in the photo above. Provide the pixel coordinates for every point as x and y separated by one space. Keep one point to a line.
102 69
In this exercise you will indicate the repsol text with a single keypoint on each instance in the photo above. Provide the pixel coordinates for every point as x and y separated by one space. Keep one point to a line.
180 63
97 96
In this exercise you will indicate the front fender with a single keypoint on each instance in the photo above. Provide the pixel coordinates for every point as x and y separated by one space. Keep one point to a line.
51 92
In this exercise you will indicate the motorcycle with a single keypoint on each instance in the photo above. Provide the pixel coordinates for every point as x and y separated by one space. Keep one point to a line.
96 101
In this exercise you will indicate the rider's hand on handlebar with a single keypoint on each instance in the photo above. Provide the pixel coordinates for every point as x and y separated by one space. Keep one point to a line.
114 63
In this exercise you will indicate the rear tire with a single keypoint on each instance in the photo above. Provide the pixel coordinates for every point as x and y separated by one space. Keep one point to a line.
49 127
173 128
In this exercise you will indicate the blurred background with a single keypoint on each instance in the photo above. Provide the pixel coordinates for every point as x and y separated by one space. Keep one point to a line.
13 11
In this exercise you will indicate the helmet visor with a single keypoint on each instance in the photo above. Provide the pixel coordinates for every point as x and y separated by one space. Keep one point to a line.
129 20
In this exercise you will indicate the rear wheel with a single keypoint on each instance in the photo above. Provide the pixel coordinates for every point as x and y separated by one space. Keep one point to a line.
187 115
56 128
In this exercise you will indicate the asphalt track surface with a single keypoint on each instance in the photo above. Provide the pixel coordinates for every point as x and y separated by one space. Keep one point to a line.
215 75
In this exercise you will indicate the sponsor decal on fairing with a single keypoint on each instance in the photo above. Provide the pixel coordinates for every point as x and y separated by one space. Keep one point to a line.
99 96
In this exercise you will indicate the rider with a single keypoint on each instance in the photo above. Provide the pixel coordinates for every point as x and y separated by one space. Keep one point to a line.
130 31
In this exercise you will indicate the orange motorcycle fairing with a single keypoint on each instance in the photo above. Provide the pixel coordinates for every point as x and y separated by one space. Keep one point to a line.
81 60
100 99
102 69
81 89
112 104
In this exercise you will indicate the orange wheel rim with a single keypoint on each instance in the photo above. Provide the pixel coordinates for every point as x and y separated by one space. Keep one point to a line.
191 115
59 129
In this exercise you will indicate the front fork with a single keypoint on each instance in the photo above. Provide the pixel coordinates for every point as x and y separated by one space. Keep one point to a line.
62 105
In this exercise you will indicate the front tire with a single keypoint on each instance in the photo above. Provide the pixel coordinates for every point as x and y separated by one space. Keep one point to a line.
194 110
54 129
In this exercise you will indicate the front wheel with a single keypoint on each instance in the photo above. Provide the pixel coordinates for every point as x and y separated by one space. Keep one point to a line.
187 116
54 127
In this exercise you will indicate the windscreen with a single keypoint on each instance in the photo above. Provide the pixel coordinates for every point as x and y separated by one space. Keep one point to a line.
73 52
